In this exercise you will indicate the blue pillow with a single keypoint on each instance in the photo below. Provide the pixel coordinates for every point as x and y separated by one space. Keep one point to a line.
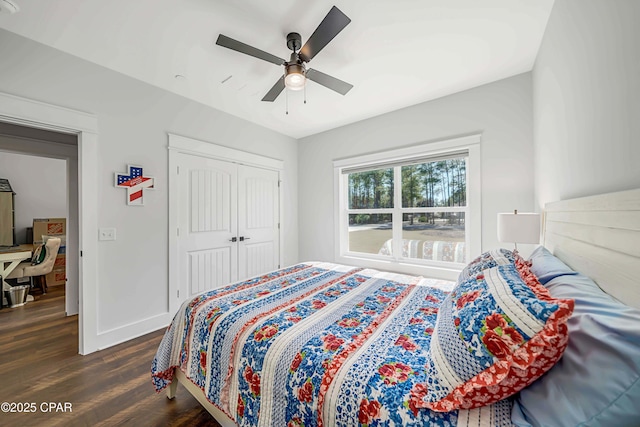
547 267
597 381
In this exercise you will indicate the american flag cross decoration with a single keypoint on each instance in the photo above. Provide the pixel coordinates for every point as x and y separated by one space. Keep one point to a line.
134 182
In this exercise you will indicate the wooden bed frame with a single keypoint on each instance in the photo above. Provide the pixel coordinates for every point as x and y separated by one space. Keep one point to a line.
599 236
216 413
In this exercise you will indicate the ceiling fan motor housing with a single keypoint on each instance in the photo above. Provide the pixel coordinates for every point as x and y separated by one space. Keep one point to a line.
294 41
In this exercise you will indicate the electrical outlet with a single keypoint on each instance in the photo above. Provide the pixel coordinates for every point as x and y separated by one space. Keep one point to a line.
107 234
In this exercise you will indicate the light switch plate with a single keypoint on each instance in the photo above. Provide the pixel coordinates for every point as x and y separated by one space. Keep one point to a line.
107 234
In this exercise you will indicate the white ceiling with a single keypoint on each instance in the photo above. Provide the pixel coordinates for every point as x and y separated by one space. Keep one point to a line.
396 53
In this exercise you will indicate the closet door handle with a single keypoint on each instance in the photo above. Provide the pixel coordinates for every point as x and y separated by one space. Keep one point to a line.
242 238
234 239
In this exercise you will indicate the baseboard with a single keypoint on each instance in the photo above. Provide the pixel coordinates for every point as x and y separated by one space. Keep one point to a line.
133 330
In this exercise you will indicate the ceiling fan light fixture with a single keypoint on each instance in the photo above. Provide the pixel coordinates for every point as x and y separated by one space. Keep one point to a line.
295 71
295 78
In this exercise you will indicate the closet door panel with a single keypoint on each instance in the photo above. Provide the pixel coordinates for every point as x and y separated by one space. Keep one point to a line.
207 223
258 221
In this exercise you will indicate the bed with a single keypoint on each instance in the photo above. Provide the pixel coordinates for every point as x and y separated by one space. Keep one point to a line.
512 342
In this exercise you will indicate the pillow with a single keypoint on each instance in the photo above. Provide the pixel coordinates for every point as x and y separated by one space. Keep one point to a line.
39 255
597 381
486 260
546 266
495 334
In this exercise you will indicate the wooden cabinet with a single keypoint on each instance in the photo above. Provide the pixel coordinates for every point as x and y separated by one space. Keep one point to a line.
7 214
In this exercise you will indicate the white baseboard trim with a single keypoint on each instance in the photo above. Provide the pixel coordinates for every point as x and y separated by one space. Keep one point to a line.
130 331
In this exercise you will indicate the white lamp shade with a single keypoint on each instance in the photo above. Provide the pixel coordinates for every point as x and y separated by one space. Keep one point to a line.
519 227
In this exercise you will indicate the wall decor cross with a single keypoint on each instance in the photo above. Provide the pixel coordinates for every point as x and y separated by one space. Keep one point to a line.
135 182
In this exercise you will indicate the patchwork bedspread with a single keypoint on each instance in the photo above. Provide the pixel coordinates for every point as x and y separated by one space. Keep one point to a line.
315 344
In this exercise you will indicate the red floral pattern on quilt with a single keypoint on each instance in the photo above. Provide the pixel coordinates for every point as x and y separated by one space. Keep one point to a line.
369 411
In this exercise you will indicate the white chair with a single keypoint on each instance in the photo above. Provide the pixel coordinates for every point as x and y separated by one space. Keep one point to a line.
27 269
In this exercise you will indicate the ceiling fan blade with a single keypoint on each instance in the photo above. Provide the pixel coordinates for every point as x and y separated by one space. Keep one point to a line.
331 25
274 91
328 81
232 44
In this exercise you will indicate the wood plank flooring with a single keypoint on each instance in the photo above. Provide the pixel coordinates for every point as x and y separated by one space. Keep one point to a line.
39 363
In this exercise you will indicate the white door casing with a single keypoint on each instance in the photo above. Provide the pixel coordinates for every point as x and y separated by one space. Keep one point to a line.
31 113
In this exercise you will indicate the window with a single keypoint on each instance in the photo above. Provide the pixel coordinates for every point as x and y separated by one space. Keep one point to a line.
412 209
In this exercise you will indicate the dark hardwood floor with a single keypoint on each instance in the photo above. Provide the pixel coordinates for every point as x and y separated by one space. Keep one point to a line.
40 364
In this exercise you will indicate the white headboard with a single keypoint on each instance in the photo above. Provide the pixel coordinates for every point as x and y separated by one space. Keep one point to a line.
599 236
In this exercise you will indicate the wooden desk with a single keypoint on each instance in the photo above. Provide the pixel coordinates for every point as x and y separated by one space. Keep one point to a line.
9 260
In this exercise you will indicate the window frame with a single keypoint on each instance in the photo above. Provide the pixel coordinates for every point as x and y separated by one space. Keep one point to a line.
437 269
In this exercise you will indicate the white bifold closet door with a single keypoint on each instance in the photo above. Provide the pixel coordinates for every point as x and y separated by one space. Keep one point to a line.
228 222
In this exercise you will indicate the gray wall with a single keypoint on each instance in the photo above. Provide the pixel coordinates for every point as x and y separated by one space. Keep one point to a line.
133 120
40 185
586 97
501 111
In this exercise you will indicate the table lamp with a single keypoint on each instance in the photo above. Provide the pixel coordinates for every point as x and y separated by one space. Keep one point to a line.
519 228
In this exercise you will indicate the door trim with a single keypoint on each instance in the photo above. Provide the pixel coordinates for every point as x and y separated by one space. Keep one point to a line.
178 144
28 112
219 152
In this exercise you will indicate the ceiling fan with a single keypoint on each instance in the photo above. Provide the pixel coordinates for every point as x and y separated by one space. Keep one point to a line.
295 70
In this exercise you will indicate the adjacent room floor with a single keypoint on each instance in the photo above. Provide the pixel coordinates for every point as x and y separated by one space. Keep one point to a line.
40 364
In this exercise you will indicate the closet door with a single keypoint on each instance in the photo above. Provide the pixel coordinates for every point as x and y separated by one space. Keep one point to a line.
208 226
258 221
228 223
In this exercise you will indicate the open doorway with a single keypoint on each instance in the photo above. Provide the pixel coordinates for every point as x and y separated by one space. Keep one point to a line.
39 115
42 166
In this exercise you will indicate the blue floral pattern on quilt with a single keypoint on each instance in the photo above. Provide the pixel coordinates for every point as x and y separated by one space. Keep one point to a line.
312 345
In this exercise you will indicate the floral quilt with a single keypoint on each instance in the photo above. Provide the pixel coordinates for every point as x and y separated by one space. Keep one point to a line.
314 344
